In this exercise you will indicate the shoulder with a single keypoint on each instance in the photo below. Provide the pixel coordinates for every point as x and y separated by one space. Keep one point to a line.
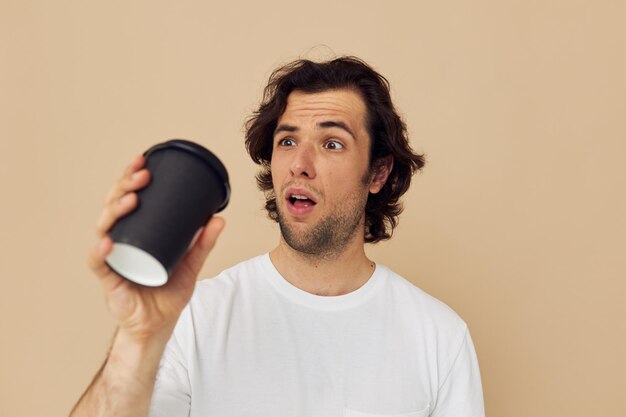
415 304
227 287
216 299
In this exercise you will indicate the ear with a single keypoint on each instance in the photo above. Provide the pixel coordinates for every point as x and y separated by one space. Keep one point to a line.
381 170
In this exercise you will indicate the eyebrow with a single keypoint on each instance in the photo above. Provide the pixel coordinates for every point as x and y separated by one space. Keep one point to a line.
321 125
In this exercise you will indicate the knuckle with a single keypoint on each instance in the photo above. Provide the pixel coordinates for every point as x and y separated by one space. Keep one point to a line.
100 223
113 193
91 262
108 198
102 229
127 183
105 221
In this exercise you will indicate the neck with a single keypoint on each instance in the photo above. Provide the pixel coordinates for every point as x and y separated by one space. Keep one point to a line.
327 275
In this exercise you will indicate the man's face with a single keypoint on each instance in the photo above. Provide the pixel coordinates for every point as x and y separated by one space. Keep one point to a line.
320 172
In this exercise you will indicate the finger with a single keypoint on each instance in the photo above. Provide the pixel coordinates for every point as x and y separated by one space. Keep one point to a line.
113 212
97 262
98 255
138 162
205 242
132 182
210 233
195 237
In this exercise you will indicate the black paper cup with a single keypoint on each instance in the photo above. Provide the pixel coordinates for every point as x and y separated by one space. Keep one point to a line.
188 184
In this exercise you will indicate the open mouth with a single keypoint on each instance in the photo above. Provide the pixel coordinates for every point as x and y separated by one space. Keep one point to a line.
300 200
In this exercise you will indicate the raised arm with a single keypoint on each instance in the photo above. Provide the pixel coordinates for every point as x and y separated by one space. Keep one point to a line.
146 316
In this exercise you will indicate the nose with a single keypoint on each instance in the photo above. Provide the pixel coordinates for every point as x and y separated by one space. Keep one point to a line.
302 163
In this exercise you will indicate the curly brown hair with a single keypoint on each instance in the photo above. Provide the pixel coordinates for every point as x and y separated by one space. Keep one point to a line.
385 127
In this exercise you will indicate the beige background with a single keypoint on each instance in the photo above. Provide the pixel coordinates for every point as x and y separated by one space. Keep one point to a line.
517 222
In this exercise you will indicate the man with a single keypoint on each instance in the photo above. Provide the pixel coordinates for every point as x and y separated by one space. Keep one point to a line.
312 328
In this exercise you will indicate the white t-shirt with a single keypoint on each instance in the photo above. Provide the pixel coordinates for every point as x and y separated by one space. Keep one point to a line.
251 344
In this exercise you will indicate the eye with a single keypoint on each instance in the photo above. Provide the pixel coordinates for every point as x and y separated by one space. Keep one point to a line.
333 145
287 142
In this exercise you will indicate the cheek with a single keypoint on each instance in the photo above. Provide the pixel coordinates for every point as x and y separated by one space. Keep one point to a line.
280 160
275 168
343 180
280 173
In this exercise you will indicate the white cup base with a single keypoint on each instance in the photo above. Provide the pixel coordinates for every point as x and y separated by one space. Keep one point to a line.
137 265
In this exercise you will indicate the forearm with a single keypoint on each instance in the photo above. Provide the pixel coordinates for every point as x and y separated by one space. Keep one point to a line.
124 385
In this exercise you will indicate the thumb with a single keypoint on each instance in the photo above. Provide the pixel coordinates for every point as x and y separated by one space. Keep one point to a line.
204 244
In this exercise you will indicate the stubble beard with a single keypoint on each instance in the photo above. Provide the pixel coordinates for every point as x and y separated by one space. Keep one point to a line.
332 234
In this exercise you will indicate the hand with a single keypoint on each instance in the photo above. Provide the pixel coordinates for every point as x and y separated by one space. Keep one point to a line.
145 312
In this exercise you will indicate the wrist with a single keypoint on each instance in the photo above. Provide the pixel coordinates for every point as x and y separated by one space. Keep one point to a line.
134 360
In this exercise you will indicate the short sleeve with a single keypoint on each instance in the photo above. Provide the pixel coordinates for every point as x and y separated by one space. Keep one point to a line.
172 391
461 394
